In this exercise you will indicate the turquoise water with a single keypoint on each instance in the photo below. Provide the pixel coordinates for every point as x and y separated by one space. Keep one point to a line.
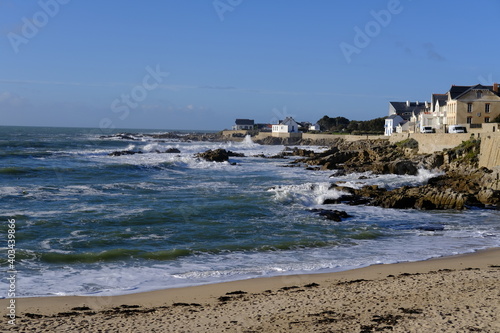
90 223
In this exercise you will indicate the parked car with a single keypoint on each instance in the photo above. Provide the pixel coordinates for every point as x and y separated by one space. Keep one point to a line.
457 129
427 129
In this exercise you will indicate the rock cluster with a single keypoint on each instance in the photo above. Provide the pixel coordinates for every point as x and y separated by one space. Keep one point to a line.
218 155
461 186
132 152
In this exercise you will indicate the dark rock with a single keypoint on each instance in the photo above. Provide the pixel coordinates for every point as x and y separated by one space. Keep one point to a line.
334 215
431 228
172 151
218 155
404 167
124 152
233 154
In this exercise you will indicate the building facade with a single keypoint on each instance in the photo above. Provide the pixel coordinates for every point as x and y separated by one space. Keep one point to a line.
472 104
288 125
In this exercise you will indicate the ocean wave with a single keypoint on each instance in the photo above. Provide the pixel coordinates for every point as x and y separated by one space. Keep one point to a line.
308 194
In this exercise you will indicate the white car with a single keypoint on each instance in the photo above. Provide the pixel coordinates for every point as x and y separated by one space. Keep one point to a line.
457 129
426 129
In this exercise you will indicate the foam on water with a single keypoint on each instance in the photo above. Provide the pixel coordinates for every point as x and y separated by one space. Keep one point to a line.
94 224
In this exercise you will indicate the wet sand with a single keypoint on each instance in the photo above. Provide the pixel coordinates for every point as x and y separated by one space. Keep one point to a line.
452 294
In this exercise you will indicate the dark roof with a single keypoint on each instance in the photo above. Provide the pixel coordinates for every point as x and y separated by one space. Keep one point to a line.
458 91
244 122
440 98
402 108
392 116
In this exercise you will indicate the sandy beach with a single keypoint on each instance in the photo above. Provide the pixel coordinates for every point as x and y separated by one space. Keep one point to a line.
452 294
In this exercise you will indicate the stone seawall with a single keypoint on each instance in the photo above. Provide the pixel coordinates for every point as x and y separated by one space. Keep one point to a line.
430 143
346 137
490 151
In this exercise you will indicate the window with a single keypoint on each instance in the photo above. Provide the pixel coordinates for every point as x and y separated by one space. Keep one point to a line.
487 108
469 120
469 107
486 119
479 94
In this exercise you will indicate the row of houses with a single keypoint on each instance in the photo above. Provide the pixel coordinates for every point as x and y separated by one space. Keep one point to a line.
287 125
462 105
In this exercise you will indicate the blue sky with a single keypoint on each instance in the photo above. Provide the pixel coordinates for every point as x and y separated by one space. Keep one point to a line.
189 64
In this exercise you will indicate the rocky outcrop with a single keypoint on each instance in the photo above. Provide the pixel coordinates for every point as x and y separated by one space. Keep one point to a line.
333 215
423 197
377 156
218 155
212 137
449 191
462 185
132 152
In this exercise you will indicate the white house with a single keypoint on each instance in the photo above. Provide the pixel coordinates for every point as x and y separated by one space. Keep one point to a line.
288 125
391 123
403 126
315 127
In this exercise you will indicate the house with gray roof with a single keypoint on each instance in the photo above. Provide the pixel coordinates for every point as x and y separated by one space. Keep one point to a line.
243 124
406 109
391 124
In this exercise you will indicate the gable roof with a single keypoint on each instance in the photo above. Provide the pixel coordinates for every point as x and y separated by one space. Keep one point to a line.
393 116
288 121
458 91
439 98
403 108
244 122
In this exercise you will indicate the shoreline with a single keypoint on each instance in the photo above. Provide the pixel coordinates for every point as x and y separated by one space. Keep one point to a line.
252 299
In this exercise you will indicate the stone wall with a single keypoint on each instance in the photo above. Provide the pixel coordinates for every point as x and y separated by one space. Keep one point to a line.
490 150
231 133
430 143
343 136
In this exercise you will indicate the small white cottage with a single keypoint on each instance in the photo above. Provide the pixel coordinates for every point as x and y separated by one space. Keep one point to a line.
391 123
288 125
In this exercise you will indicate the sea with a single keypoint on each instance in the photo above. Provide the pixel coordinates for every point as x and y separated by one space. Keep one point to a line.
87 223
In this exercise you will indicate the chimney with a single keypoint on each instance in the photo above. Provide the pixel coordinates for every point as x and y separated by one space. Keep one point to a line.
495 87
408 103
418 103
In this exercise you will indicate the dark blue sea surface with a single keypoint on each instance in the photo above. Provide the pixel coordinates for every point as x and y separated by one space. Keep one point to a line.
90 223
